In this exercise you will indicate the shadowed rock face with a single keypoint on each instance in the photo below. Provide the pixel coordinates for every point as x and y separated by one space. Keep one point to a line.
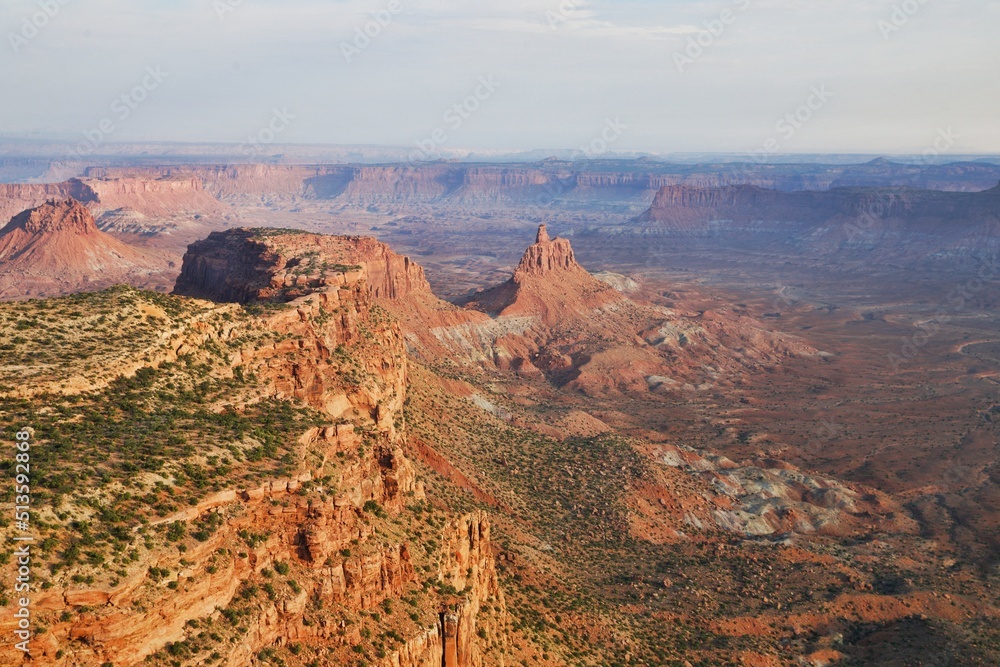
893 222
740 203
246 265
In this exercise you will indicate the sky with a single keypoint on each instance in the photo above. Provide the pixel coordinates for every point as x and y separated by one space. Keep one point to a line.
763 77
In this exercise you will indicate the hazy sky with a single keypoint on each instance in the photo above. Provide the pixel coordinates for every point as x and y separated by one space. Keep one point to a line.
882 76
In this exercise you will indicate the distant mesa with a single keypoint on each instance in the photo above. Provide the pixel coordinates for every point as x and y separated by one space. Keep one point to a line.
842 219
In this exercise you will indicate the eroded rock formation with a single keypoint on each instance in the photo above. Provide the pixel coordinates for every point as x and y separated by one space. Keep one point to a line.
335 351
57 247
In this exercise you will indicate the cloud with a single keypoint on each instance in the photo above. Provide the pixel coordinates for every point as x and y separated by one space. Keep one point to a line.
561 77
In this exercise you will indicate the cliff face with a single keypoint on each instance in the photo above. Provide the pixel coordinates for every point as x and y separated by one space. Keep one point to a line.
746 203
632 183
894 222
342 524
15 198
161 197
545 258
246 265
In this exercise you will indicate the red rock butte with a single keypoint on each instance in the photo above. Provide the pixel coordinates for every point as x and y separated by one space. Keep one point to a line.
547 255
548 283
54 216
58 248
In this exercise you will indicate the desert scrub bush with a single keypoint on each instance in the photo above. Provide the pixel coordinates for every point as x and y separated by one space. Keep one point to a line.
96 447
176 531
373 507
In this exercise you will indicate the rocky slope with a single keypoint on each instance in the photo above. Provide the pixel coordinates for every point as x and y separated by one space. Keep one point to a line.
275 265
302 539
551 319
302 479
549 284
15 198
57 248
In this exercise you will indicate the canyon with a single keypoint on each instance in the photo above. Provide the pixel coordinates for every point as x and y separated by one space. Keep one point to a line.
548 414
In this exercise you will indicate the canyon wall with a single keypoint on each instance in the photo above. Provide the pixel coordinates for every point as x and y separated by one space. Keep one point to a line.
900 223
160 197
332 349
165 191
629 183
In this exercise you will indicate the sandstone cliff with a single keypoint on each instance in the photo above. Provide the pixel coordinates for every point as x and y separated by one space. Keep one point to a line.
628 183
894 222
162 197
159 196
246 265
342 526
